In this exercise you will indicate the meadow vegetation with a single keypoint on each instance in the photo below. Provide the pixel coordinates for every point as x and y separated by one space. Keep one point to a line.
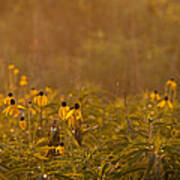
87 133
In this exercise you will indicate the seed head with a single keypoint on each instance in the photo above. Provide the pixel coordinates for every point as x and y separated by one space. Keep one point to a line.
12 102
155 92
63 104
22 118
41 93
10 94
62 144
76 106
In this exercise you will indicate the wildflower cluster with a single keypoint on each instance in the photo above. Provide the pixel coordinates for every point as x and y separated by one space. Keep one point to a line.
170 95
86 134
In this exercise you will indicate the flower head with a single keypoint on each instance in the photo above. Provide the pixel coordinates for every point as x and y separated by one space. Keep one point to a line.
11 66
22 118
42 99
165 102
77 106
63 110
166 98
41 93
16 71
60 148
33 92
23 83
23 77
62 144
10 94
155 92
63 104
48 89
12 102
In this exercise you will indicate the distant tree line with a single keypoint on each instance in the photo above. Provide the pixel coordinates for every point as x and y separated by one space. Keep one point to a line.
118 45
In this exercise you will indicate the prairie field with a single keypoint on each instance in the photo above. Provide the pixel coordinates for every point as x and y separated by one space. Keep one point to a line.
89 90
87 133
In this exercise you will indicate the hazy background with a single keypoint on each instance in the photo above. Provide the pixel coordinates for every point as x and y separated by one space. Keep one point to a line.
68 43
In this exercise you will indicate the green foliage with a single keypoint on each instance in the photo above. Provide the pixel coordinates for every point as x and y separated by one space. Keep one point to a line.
119 142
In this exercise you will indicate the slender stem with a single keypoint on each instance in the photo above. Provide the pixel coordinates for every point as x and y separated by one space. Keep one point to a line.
29 125
41 120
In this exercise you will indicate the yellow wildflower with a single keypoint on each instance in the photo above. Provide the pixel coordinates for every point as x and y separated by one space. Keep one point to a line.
42 99
48 89
23 77
74 116
60 149
155 96
165 102
12 109
7 100
35 99
22 124
63 110
11 66
33 92
171 83
170 89
23 82
16 71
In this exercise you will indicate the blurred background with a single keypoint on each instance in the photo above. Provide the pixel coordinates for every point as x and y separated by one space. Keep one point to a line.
121 45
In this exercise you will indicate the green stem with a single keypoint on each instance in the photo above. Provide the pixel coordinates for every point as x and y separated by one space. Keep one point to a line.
29 125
